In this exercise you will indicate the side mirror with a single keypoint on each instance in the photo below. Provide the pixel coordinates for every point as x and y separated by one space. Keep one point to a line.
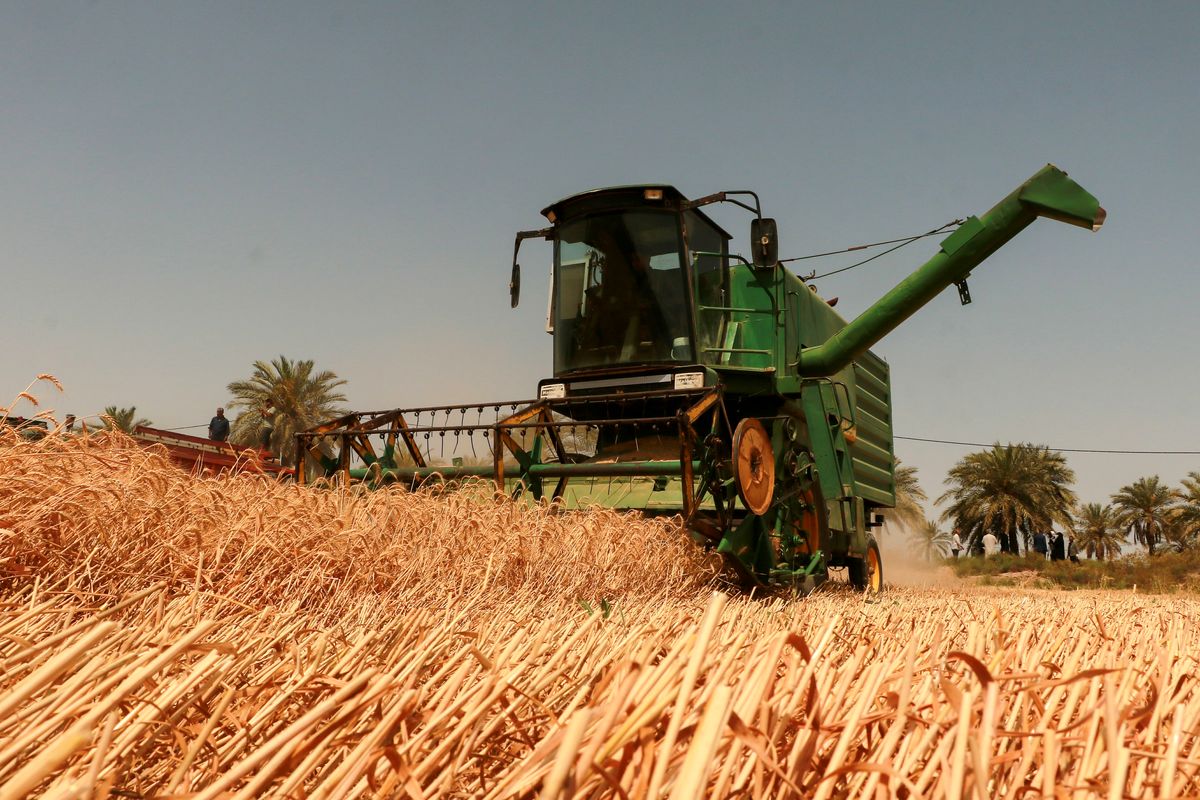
514 283
764 242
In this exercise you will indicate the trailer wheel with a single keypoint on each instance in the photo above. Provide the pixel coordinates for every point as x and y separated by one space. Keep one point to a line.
867 573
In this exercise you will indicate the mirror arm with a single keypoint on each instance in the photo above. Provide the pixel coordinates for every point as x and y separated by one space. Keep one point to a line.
757 204
514 283
544 233
708 199
723 197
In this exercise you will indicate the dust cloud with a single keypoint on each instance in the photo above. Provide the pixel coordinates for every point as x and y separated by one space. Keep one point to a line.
901 567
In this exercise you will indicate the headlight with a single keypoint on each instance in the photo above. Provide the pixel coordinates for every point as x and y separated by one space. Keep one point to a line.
553 391
689 380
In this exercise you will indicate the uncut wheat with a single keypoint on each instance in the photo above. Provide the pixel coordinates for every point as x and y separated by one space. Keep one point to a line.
163 635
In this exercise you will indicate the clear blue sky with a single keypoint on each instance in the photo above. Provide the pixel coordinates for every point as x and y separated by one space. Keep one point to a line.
190 187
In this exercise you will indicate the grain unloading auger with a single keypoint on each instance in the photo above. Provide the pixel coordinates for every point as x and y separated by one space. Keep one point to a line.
688 381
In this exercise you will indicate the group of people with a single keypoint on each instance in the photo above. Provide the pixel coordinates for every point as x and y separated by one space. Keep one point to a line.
1053 545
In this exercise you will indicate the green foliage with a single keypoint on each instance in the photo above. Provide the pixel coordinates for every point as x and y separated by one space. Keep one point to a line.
122 419
908 512
928 542
606 608
1098 531
1165 573
999 564
286 396
1007 490
1178 536
1187 513
1145 509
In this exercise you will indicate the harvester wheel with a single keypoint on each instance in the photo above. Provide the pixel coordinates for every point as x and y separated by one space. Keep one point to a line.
754 466
810 522
867 573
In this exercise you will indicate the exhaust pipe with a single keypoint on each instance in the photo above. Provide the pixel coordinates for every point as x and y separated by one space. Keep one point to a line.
1049 193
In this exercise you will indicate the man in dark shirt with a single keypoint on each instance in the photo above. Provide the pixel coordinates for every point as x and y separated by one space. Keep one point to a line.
1039 544
268 427
218 427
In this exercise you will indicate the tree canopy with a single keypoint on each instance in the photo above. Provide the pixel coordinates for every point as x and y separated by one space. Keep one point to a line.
281 398
1187 515
1145 509
122 419
908 512
1009 489
1098 531
929 542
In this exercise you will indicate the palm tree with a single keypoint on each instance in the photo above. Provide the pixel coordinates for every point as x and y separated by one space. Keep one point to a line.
1144 509
928 542
1007 490
1188 512
122 419
1182 529
284 397
1098 531
908 512
1178 534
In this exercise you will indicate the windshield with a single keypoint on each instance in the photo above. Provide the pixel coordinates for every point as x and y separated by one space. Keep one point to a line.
621 292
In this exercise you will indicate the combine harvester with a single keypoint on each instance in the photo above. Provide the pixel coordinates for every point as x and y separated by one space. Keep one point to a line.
722 390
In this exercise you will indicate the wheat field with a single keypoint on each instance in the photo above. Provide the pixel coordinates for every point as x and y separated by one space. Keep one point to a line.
167 636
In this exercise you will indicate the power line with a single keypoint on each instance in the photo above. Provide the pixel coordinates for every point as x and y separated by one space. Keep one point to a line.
1063 449
967 444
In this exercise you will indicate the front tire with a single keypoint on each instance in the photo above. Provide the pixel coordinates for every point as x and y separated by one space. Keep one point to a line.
866 574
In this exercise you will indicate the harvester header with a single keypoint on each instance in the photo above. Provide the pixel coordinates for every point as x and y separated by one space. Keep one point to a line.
703 384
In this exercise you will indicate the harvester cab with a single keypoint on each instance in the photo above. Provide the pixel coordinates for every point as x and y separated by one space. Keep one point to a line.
641 278
624 285
692 382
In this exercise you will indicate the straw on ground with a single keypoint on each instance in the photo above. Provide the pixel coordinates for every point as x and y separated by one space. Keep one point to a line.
162 635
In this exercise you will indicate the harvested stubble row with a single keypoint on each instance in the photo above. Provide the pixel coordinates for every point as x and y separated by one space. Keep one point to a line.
165 636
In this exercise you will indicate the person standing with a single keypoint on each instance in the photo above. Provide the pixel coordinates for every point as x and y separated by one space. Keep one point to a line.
268 428
1072 550
991 545
1058 550
1039 544
218 427
955 544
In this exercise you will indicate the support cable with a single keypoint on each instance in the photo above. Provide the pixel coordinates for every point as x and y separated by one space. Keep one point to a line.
898 242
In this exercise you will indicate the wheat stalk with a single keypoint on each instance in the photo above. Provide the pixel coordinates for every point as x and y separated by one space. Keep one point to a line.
166 635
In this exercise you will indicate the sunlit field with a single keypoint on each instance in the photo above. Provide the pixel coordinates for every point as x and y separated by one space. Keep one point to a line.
162 636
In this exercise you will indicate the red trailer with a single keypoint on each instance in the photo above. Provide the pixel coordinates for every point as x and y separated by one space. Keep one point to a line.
205 457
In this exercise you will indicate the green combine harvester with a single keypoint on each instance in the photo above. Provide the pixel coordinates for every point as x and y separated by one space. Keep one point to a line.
692 382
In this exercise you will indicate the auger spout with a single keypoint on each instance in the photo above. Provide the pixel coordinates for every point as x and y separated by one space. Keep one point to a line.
1049 193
